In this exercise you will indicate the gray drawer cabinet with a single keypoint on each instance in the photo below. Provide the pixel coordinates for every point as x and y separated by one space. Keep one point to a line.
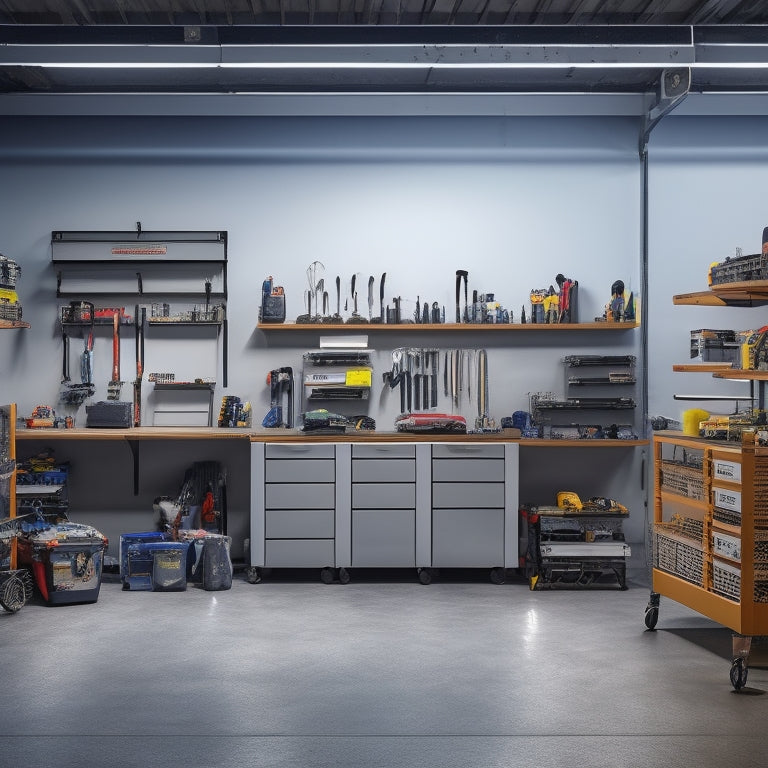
385 510
294 505
474 506
383 505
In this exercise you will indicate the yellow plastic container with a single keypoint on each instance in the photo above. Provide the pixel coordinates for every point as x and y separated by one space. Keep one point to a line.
691 419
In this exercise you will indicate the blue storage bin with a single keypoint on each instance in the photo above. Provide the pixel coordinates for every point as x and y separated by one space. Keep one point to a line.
126 539
156 565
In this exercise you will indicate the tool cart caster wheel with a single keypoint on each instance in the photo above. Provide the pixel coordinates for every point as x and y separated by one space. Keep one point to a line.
344 576
326 575
738 673
13 595
651 617
253 575
652 610
498 576
425 576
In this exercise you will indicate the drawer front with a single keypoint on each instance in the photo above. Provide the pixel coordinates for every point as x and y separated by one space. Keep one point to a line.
299 553
299 451
383 470
468 538
299 524
469 495
384 496
383 450
467 450
299 496
303 471
468 470
384 538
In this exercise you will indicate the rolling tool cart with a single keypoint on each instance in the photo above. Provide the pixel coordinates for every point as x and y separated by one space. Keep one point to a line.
710 535
15 584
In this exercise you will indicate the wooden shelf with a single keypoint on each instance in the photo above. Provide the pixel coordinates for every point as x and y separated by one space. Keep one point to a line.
739 373
703 367
7 324
747 294
444 327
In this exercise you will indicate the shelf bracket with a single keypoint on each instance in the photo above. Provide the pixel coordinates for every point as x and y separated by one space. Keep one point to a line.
674 85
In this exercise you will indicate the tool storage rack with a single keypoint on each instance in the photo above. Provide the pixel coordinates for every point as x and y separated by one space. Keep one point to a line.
15 585
710 535
145 265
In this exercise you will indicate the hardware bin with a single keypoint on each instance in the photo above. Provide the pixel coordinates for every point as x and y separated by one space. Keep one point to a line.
140 563
70 571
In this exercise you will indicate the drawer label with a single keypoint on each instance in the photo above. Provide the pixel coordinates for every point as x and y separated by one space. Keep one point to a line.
727 470
727 499
358 378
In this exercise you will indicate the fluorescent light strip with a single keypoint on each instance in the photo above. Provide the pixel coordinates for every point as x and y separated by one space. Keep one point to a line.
362 65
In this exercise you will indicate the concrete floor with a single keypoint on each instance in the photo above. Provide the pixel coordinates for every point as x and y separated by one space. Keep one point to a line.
380 672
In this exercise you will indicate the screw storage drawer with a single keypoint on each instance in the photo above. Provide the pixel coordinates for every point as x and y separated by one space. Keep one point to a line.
467 495
384 495
461 451
383 470
383 538
467 538
304 471
383 451
299 496
298 553
299 523
468 470
299 451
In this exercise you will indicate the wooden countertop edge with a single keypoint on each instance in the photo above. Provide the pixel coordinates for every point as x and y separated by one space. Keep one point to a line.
293 436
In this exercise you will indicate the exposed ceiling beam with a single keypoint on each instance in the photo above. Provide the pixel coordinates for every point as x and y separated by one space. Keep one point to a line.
712 10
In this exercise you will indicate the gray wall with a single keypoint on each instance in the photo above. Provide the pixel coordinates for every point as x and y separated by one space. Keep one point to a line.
707 181
513 200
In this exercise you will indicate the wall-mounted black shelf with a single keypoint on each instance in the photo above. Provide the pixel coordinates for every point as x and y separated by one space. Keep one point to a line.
189 265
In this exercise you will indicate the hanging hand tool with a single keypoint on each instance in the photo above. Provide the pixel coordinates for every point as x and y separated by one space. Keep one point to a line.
320 290
381 296
371 281
86 362
115 386
280 382
461 274
483 421
356 317
72 394
139 320
435 371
